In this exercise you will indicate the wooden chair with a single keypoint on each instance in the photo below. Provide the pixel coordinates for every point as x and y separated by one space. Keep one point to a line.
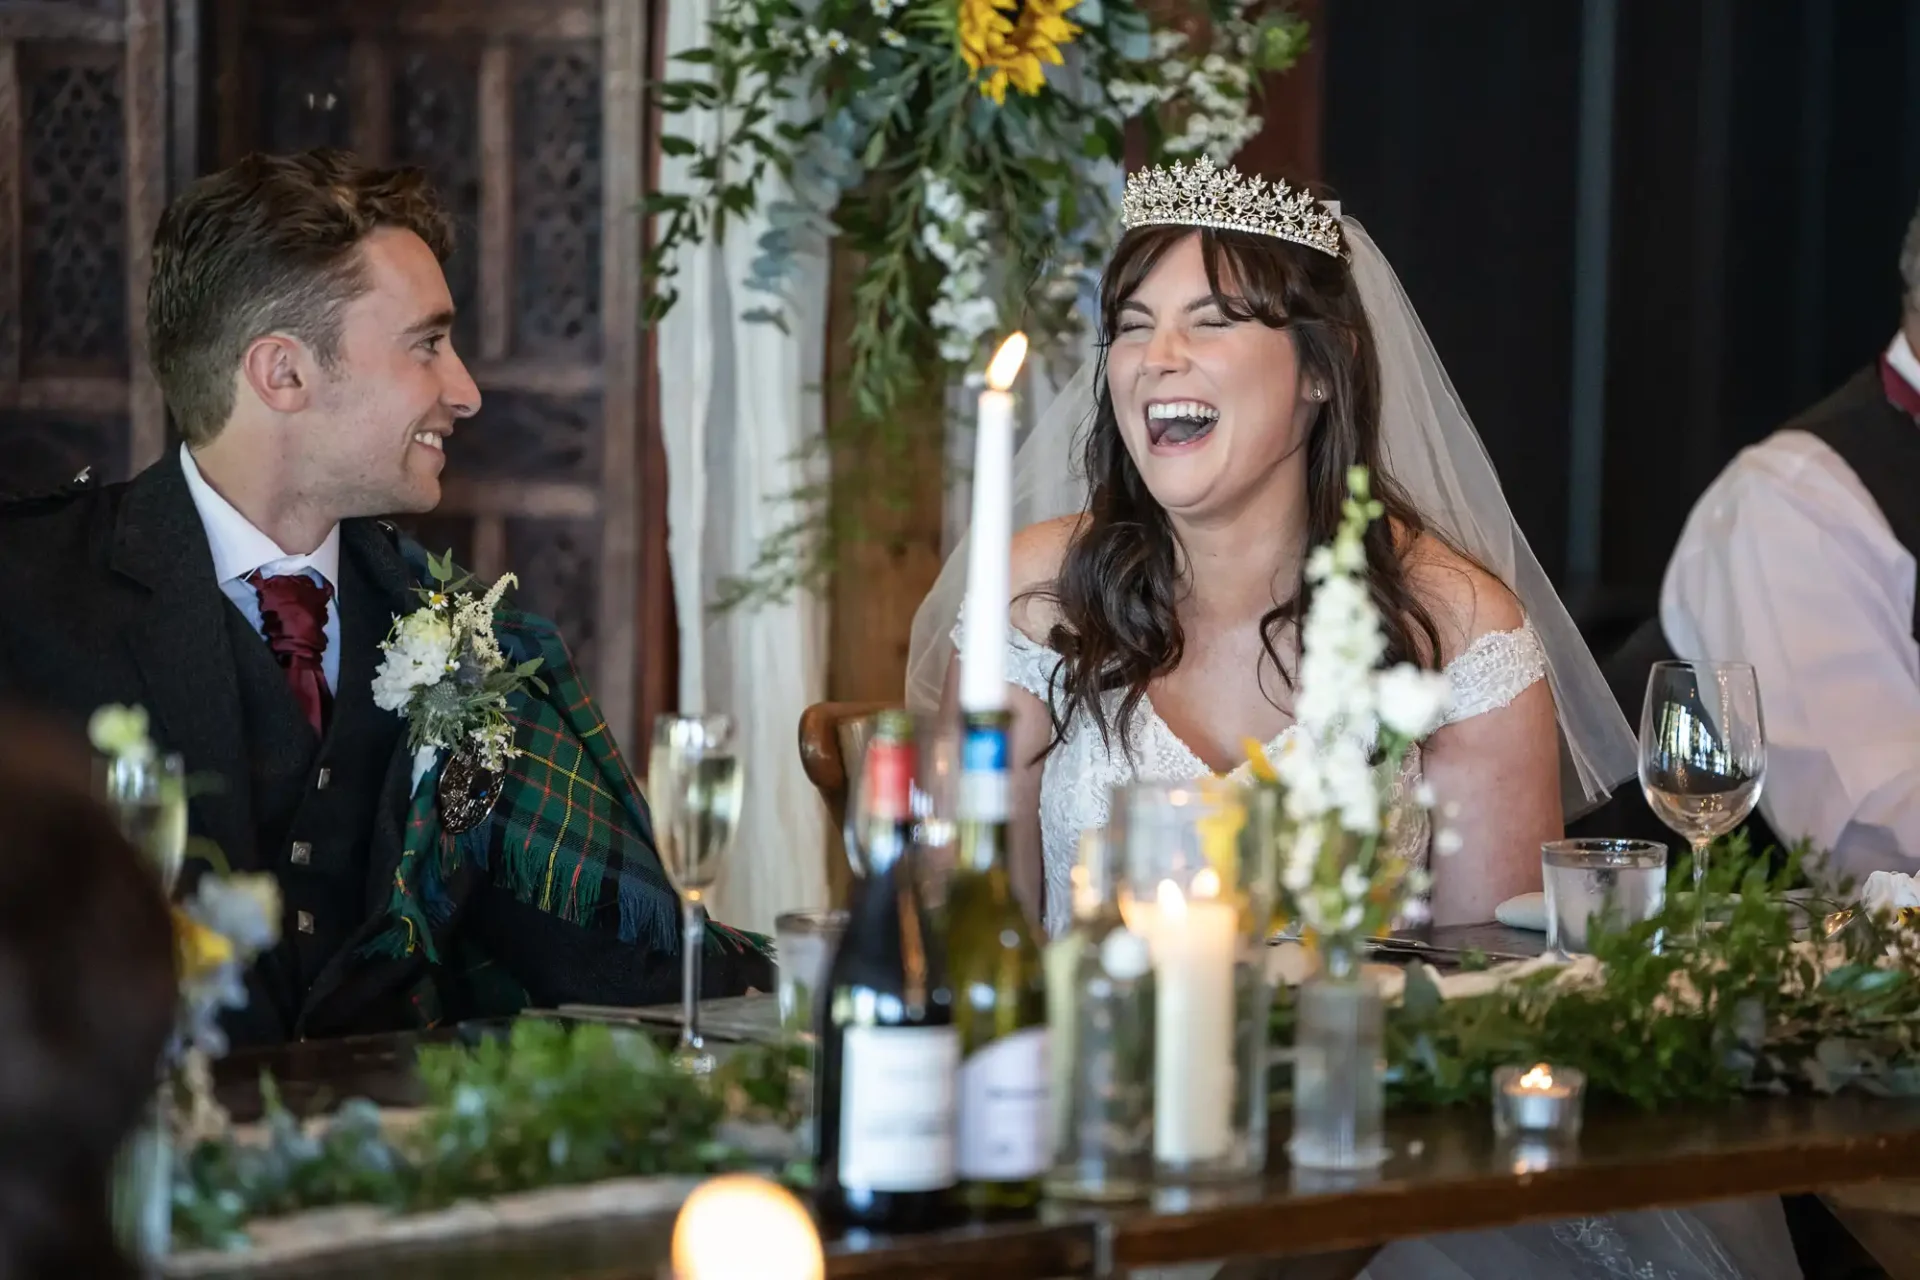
833 735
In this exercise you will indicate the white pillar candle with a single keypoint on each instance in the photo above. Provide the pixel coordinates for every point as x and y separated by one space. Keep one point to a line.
983 662
1194 938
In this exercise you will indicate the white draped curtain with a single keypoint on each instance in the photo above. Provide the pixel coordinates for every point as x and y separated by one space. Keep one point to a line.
738 402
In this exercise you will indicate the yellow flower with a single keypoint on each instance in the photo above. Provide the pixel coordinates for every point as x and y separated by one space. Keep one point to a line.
197 949
1219 833
119 731
1010 39
1257 762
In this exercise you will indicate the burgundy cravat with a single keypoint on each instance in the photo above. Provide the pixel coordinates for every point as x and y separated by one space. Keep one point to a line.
293 613
1901 394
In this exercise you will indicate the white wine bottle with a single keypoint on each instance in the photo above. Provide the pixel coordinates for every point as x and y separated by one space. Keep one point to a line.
1000 1000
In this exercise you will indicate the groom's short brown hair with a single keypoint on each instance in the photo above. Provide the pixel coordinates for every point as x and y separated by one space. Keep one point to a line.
268 245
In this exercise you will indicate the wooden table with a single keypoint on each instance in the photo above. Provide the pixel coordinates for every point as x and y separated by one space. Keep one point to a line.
1447 1173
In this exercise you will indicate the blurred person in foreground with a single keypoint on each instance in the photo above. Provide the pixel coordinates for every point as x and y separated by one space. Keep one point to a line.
1800 559
87 1001
240 590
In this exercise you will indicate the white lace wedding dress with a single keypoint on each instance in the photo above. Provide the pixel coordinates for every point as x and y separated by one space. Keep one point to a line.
1078 777
1736 1240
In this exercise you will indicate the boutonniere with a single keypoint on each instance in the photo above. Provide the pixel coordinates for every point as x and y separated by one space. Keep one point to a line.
444 671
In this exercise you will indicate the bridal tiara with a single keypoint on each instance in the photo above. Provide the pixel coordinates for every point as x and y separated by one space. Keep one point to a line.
1205 195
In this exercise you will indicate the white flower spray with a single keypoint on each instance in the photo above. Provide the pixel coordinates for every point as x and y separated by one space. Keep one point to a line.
964 311
1340 792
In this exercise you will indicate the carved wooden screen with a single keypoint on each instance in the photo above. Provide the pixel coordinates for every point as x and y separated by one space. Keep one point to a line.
82 182
527 115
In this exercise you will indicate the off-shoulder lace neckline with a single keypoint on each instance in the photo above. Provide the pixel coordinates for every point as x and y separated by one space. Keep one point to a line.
1148 717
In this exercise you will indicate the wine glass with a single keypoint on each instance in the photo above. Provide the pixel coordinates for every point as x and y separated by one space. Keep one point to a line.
1703 750
694 787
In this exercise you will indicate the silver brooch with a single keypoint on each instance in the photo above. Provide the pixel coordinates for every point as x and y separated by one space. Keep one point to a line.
467 792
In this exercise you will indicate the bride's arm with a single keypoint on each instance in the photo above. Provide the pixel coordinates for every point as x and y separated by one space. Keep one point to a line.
1028 738
1498 770
1503 770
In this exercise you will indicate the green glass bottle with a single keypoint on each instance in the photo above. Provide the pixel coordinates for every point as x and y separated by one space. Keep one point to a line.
1000 997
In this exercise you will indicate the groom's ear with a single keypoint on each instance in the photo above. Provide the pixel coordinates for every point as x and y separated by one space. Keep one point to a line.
277 366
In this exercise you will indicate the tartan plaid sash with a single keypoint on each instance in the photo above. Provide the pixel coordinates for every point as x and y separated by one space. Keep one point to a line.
570 834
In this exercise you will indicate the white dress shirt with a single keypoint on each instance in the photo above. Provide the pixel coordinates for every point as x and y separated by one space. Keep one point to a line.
1787 563
239 548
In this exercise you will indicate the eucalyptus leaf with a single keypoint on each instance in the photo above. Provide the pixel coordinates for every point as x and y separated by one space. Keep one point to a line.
766 315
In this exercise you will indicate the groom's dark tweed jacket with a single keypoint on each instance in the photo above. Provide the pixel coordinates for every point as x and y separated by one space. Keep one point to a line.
390 922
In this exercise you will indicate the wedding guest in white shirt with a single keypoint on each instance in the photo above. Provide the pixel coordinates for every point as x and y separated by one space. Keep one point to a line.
1800 559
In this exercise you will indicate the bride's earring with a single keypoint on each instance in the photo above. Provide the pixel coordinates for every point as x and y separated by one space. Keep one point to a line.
1316 392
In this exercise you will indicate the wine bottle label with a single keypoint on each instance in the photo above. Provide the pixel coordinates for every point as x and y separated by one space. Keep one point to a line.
896 1107
984 789
1003 1109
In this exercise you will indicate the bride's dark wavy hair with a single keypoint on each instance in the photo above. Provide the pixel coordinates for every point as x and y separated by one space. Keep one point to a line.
1120 578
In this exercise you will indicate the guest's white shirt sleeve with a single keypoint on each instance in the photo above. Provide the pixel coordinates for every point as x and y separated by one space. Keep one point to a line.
1787 563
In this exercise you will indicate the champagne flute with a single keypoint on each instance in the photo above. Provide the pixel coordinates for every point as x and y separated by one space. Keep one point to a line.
148 796
694 787
1703 750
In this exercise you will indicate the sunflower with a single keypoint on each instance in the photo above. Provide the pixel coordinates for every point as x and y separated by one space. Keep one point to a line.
1010 39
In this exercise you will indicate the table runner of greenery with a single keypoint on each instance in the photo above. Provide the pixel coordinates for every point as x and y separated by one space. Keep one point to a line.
1749 1004
548 1105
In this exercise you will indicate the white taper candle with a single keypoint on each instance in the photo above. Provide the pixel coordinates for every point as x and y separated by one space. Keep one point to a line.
983 660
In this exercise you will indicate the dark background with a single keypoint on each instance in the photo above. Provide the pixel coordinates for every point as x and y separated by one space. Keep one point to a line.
1743 225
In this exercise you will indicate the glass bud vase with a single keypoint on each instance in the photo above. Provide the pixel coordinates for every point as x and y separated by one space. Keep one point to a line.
143 1190
1339 1067
1100 1015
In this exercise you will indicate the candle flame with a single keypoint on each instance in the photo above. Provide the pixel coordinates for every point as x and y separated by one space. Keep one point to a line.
1006 362
1206 883
1173 903
1540 1076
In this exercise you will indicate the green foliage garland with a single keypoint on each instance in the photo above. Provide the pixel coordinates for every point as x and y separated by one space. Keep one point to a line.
961 152
547 1106
1745 1005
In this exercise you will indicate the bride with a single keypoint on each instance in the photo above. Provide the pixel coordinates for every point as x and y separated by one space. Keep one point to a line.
1254 346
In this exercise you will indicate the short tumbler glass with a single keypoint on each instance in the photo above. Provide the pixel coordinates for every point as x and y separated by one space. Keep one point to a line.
1620 882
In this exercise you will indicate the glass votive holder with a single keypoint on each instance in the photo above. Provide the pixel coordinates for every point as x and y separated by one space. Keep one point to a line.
1194 883
1532 1155
1619 882
804 943
1538 1102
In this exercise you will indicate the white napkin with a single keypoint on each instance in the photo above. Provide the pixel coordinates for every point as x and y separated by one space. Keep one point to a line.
1525 911
1890 891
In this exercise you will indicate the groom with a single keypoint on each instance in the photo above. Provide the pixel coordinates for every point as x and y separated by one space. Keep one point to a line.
300 326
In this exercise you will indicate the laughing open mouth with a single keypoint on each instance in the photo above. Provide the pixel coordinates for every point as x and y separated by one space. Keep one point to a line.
1175 422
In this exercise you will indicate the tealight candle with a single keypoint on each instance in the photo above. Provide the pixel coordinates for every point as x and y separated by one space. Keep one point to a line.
740 1227
1540 1099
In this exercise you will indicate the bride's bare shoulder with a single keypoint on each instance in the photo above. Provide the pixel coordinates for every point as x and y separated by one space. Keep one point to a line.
1465 600
1038 551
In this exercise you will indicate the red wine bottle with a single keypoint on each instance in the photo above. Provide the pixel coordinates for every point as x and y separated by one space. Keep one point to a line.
884 1138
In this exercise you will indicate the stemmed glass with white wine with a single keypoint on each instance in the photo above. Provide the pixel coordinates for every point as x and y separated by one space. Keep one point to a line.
1703 750
694 788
